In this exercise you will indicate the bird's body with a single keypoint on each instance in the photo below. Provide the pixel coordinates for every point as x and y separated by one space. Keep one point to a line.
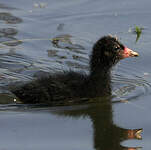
71 85
60 87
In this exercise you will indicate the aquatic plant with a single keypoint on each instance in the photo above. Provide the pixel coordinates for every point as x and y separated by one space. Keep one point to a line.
138 32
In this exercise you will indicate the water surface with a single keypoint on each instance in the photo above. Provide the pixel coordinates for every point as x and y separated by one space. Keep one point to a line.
113 124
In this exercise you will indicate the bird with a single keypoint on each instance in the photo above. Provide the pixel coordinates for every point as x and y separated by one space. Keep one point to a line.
70 85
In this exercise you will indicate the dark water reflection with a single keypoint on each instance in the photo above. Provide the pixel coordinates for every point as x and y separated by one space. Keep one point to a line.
9 18
106 135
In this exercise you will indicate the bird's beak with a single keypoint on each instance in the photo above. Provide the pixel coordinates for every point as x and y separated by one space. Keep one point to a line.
129 53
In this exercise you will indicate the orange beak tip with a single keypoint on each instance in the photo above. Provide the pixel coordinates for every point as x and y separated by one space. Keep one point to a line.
129 53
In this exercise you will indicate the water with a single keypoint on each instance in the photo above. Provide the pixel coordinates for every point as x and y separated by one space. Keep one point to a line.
76 25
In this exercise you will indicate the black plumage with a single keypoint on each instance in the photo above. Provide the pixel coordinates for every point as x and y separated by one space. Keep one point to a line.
106 52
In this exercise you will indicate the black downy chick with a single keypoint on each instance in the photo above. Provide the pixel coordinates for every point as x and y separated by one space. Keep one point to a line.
107 51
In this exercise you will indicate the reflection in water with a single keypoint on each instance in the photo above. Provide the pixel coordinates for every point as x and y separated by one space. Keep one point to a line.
9 18
64 42
7 34
107 136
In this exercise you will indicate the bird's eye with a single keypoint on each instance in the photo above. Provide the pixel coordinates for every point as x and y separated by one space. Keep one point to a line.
116 48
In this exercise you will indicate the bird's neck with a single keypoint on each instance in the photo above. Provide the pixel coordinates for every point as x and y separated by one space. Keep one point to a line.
100 82
100 76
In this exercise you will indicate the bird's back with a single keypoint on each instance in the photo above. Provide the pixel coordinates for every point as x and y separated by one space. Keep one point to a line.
56 87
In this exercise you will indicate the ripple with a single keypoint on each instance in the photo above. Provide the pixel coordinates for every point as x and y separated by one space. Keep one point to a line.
12 67
19 67
94 14
129 88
